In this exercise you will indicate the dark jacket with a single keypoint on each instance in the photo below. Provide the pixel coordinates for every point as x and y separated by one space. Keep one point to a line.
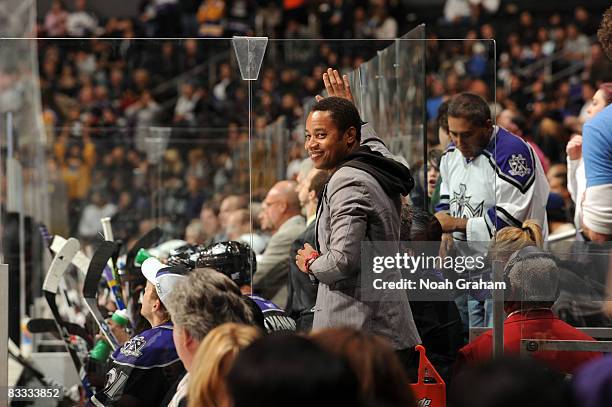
302 291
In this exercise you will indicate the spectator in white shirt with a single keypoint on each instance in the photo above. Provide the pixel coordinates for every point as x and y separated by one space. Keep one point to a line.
82 23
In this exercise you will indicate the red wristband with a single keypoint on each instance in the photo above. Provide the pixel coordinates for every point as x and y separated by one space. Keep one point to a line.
310 259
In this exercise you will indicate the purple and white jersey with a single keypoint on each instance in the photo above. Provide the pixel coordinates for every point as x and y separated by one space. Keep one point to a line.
143 369
504 186
275 319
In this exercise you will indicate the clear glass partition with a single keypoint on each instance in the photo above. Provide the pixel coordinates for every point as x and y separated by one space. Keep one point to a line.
189 136
577 291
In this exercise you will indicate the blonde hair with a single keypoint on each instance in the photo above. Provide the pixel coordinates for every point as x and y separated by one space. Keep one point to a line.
510 239
213 361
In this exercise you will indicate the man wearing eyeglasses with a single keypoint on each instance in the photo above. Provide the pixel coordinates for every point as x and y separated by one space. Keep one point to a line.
280 214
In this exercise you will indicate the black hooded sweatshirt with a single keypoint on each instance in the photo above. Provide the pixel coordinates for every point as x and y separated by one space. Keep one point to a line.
393 177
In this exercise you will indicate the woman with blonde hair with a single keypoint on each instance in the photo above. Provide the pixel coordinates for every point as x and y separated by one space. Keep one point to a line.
213 361
507 241
510 239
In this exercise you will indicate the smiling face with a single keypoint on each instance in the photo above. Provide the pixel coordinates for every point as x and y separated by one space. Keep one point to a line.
469 139
324 142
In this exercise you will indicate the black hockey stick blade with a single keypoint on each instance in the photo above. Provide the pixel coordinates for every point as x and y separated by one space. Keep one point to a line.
42 325
27 365
99 261
14 353
106 251
58 267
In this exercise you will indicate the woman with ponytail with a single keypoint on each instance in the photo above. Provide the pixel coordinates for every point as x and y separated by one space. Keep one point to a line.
511 239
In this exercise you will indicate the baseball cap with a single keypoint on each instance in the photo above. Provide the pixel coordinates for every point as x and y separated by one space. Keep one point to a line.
162 276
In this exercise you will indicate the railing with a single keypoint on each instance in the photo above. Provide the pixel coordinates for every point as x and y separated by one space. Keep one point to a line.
569 235
546 64
209 65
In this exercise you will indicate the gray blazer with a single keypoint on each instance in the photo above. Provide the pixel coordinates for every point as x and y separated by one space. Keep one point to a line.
271 278
355 208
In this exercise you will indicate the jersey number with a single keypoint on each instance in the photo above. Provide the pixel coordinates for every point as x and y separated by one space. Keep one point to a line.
115 383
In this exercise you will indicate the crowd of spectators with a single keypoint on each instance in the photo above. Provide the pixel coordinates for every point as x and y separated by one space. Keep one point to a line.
157 132
132 137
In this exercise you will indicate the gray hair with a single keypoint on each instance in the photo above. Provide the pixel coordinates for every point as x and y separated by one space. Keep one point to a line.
205 300
533 279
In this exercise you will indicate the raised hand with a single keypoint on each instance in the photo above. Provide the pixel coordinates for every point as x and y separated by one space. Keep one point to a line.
336 85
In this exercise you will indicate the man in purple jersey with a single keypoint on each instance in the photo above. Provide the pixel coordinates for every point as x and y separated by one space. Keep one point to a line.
145 367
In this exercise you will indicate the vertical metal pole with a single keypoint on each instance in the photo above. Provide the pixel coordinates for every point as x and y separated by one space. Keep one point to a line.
381 99
359 81
3 201
4 337
498 311
22 265
250 152
424 112
398 96
4 292
498 267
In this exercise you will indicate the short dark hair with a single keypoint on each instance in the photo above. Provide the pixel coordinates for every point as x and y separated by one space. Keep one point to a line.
443 115
281 369
425 227
509 382
343 113
604 34
211 206
471 107
434 156
383 379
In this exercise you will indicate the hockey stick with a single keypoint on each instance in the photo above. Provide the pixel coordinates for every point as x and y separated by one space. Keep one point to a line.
56 242
42 325
56 271
81 261
115 283
15 353
48 239
37 373
98 263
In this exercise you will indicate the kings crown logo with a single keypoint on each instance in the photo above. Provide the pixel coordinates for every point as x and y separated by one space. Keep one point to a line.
518 166
133 346
461 207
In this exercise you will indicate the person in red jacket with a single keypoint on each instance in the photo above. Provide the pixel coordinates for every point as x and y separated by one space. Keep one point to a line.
532 280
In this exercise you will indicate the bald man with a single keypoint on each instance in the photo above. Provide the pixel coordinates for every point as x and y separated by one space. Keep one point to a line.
282 213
